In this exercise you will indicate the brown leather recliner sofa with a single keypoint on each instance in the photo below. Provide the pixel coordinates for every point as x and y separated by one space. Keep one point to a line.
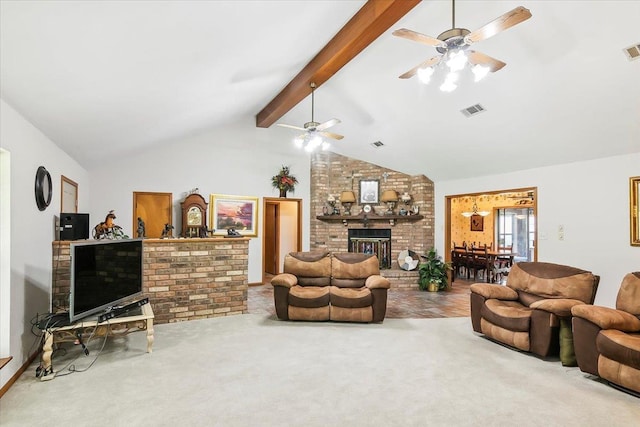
607 340
529 312
318 286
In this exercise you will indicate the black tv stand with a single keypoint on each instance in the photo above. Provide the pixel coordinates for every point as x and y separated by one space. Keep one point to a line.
115 312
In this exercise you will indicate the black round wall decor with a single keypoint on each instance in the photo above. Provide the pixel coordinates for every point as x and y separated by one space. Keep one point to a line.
43 188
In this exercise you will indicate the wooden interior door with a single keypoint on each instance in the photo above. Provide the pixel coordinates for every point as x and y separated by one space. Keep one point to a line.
155 209
271 240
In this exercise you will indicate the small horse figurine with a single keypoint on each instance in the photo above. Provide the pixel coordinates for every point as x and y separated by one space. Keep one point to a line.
166 232
107 229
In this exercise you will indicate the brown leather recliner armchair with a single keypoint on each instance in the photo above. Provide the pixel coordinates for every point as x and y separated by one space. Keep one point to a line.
607 340
529 312
318 286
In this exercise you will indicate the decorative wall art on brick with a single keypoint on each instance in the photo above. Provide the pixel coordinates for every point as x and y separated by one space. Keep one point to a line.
239 213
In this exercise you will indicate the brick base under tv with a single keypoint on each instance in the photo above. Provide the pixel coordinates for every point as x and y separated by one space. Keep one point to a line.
184 279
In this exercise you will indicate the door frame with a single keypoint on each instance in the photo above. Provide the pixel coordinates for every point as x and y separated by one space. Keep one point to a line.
64 180
447 219
278 201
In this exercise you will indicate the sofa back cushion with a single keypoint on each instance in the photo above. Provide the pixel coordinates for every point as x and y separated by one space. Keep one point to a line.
311 268
549 280
350 270
629 294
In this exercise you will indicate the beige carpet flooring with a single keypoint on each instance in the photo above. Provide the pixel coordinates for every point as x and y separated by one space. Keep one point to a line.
253 370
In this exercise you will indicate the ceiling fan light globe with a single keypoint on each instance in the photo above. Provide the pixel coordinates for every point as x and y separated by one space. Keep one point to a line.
457 61
480 72
451 77
424 74
448 86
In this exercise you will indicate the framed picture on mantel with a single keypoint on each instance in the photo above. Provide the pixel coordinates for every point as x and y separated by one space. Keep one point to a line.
234 212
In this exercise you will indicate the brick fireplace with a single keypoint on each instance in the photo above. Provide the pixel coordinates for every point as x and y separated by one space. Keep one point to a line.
332 173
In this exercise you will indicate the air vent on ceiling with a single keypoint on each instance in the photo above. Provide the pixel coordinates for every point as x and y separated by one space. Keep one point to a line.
632 52
473 110
377 144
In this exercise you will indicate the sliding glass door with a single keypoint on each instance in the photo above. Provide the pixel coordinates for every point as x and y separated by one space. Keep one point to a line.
515 228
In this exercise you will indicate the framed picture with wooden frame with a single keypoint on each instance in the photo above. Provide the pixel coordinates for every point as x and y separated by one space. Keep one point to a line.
369 191
634 205
477 223
233 212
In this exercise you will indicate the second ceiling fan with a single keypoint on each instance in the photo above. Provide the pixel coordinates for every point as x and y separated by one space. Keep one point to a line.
453 47
314 132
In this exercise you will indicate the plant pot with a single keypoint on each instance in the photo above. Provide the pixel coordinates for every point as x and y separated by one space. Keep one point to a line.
283 193
432 287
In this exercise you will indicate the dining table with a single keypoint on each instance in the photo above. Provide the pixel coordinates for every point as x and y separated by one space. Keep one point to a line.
497 262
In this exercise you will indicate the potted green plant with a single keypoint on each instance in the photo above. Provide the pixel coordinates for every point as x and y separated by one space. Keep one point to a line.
433 272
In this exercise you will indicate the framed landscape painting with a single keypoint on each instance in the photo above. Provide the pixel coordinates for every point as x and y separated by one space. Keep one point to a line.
239 213
634 205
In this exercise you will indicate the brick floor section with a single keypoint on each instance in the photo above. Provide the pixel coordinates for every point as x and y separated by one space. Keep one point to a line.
401 304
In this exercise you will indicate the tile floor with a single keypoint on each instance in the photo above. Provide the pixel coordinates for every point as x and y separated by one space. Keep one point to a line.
407 304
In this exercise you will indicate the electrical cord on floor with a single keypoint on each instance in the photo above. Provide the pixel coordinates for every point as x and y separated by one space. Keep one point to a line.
71 368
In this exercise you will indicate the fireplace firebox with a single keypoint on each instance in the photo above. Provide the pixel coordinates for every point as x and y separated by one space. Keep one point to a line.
375 241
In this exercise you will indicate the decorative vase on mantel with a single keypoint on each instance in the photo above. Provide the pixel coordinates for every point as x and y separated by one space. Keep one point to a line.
283 193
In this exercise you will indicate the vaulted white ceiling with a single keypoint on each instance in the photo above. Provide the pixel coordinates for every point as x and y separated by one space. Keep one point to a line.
131 75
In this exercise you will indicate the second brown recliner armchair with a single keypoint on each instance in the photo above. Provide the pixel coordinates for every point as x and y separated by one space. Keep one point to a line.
607 340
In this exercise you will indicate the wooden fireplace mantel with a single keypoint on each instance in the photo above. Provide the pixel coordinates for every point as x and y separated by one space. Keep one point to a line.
363 218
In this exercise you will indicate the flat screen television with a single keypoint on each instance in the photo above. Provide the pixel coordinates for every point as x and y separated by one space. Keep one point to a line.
104 273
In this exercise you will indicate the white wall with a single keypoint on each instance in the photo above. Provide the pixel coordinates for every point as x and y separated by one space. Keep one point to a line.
236 160
590 199
288 230
31 230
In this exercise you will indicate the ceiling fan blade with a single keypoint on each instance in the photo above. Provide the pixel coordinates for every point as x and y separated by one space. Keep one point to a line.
327 124
475 57
418 37
290 126
428 63
499 24
331 135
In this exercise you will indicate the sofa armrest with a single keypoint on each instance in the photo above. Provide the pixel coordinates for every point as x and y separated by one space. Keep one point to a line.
607 318
491 291
558 306
376 281
284 279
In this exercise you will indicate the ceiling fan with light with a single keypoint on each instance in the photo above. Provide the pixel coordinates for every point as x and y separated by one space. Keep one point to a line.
453 47
314 132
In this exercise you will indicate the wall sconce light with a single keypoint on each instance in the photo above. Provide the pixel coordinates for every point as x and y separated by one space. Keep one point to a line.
390 197
347 198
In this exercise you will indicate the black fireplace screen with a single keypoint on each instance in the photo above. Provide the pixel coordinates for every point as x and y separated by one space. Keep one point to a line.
372 241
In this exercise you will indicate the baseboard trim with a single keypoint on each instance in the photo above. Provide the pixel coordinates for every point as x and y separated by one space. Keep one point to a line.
19 372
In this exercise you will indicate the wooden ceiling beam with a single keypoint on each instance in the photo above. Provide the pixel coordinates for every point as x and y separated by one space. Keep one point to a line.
373 19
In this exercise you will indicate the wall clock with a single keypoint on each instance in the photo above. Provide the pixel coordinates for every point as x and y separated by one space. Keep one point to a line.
43 188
